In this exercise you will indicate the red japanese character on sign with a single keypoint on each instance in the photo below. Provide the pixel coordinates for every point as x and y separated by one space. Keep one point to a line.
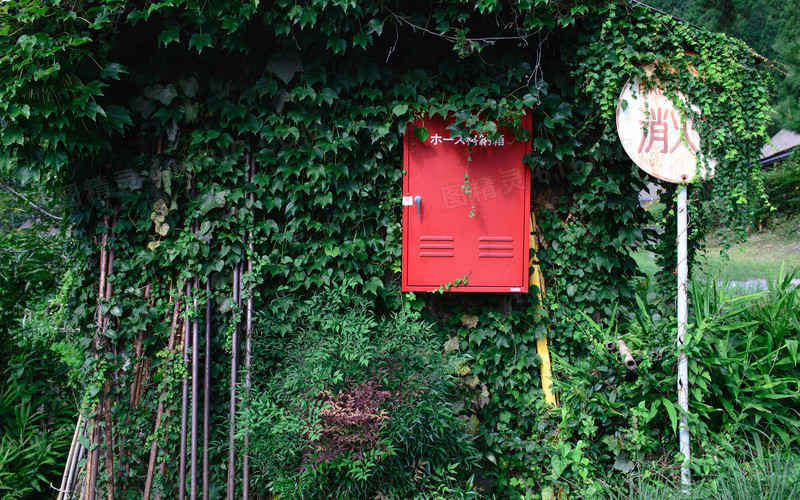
657 131
453 196
686 129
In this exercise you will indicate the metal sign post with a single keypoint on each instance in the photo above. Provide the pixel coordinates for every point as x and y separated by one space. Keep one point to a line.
664 145
683 316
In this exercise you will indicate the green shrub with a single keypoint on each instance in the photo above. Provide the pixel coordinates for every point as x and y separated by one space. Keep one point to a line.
782 184
36 423
348 405
743 375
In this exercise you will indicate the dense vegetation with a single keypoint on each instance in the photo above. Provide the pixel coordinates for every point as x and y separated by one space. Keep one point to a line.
771 28
238 165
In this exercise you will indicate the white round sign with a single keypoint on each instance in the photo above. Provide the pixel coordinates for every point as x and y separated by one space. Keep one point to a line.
650 129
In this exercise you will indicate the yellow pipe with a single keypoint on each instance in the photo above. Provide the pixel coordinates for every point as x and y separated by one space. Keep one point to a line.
536 279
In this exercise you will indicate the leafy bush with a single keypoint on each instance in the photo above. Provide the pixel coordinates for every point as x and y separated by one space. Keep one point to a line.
742 352
782 184
348 405
36 423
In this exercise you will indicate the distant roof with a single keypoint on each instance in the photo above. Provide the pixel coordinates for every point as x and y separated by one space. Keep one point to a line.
780 143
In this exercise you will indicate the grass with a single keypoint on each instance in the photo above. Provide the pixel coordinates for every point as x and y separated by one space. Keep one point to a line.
760 257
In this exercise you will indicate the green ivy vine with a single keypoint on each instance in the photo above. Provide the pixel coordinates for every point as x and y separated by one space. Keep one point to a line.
158 106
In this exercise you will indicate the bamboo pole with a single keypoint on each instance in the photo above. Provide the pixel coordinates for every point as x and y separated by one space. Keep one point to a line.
74 470
70 457
207 391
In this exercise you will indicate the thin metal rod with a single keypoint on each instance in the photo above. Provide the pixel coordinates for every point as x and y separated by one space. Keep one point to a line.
195 387
95 461
185 397
207 392
248 343
234 368
683 316
109 417
148 484
136 385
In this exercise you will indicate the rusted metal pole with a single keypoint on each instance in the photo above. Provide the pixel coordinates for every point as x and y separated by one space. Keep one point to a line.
136 385
207 391
234 368
92 460
185 396
108 415
148 484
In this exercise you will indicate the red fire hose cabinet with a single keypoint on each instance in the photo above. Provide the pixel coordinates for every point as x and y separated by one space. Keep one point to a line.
455 226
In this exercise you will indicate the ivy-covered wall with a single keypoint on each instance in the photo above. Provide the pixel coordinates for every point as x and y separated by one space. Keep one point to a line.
257 146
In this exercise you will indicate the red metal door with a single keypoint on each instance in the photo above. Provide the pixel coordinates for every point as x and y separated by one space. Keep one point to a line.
449 232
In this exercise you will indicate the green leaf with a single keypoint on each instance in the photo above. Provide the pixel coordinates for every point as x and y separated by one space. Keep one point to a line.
200 41
623 463
451 344
421 133
160 93
673 416
285 65
118 116
168 36
211 200
113 71
400 109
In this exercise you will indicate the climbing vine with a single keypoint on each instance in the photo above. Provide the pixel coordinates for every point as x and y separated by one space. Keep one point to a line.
257 146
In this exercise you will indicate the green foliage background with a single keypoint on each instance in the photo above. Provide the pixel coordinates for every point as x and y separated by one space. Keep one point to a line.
156 107
771 28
